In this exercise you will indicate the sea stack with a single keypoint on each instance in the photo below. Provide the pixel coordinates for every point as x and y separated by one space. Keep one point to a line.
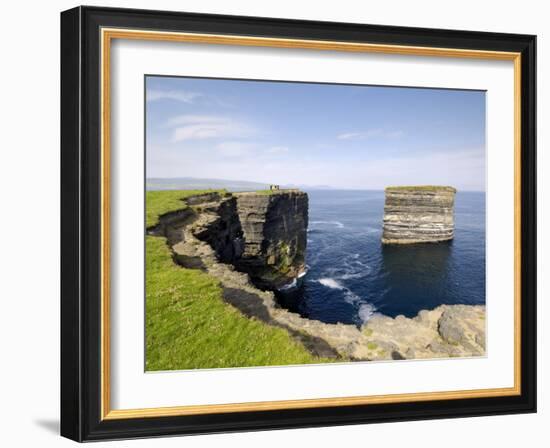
418 214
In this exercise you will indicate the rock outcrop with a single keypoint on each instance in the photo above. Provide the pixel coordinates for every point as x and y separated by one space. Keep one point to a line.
444 332
209 235
418 214
263 234
274 228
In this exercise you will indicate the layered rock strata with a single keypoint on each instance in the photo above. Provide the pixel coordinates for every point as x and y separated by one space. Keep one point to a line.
261 234
418 214
205 236
274 228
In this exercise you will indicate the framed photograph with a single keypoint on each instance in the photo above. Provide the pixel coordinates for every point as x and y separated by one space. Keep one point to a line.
273 223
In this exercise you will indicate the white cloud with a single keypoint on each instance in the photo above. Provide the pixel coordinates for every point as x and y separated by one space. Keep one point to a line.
235 149
370 133
176 95
277 150
200 127
200 131
194 119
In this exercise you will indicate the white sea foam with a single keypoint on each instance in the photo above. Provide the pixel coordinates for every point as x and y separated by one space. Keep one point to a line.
352 275
330 283
351 297
351 268
366 311
288 286
294 282
333 223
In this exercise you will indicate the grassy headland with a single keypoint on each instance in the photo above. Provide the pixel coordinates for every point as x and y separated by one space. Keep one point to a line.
160 202
188 324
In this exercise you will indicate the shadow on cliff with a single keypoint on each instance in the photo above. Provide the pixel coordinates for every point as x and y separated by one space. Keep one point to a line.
253 306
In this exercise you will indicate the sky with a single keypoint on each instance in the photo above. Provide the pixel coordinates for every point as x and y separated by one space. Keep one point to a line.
307 134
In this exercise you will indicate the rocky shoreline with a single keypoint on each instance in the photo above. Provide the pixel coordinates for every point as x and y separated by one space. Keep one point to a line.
204 235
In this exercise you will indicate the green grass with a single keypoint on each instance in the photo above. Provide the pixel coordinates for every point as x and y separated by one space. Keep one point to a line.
422 187
189 326
160 202
272 192
267 192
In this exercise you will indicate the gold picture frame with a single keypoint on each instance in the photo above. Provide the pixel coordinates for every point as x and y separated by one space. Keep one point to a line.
106 32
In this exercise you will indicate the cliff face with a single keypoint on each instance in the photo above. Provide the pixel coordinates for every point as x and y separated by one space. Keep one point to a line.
263 235
418 214
275 234
218 224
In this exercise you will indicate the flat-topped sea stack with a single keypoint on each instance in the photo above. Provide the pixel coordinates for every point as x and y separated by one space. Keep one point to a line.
418 214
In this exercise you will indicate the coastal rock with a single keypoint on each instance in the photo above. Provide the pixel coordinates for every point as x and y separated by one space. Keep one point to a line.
418 214
463 326
218 224
263 234
209 236
274 229
446 331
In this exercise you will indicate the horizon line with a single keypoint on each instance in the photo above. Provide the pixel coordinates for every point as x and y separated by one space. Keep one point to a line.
327 187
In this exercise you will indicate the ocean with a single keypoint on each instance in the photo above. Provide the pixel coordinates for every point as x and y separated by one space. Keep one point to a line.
351 275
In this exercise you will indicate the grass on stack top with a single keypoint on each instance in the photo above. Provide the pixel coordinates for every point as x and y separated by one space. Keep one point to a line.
188 324
422 187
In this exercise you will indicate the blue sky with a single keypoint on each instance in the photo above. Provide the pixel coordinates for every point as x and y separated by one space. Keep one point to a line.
358 137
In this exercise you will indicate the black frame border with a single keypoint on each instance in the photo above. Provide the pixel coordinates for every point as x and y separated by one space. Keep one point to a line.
81 223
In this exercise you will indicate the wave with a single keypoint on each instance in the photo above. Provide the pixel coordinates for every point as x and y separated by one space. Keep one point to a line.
331 283
352 275
295 281
351 268
288 286
334 223
364 311
351 297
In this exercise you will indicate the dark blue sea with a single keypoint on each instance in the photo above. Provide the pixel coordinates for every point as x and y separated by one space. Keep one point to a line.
352 275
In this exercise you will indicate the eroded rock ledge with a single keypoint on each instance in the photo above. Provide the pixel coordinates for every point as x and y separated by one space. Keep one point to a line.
204 236
418 214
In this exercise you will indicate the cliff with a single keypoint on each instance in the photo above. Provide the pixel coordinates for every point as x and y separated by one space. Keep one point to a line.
263 234
274 229
418 214
236 238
